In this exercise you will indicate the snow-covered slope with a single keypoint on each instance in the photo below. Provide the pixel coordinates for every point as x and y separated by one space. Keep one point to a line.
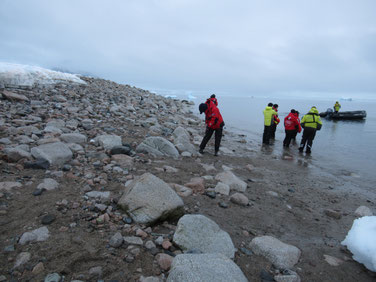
15 75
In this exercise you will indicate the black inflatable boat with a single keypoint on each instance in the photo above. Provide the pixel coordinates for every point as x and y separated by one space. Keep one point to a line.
344 115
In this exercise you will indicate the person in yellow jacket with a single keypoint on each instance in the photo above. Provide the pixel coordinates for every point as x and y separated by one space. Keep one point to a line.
269 115
311 122
336 107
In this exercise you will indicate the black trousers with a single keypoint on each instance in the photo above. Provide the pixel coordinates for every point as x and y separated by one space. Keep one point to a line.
208 135
309 134
295 133
274 128
267 134
289 135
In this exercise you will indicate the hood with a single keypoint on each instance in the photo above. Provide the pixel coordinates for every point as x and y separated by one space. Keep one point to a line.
268 108
314 110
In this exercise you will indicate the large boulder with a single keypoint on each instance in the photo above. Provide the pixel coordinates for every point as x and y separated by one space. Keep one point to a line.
16 154
158 146
235 183
199 233
108 141
282 255
56 153
204 267
14 97
149 199
182 141
73 138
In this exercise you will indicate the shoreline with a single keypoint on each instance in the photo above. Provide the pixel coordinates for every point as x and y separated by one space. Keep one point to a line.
287 199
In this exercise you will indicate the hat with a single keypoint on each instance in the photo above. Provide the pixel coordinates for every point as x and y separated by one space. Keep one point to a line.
293 111
270 105
212 96
202 108
275 105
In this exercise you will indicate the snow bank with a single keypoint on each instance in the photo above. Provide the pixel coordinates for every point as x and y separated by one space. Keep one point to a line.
361 241
15 75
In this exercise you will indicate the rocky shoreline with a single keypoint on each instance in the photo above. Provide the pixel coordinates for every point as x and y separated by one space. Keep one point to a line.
103 182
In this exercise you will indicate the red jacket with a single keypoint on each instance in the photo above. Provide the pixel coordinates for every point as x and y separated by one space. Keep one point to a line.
215 101
276 118
292 122
213 117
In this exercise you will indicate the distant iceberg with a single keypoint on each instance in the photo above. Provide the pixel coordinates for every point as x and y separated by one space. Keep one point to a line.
16 75
171 96
346 99
191 97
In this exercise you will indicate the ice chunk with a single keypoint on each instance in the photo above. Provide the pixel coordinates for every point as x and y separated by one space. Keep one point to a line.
361 241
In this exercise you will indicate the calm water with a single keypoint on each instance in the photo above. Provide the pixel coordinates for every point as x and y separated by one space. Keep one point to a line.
340 147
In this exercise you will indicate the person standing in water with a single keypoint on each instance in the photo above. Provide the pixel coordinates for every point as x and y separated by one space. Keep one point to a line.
214 123
269 114
336 107
311 122
296 131
292 126
276 121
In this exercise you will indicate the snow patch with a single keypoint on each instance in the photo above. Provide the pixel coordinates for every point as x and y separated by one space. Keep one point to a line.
24 76
361 241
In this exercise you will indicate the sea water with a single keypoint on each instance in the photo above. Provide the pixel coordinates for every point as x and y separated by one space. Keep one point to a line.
343 148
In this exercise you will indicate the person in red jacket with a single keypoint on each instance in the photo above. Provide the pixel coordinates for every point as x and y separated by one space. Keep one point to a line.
276 121
292 125
214 123
296 131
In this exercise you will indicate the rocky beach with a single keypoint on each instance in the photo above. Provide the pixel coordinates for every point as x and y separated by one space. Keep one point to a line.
103 182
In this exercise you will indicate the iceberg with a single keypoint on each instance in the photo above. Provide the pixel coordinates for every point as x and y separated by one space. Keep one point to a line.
24 76
361 241
171 96
191 97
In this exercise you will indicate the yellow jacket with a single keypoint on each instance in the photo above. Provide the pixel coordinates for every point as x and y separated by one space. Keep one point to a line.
268 115
312 119
337 106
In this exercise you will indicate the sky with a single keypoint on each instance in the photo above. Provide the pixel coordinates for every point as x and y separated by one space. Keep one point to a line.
235 47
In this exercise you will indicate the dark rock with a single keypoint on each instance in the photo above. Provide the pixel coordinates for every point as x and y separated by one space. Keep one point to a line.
126 150
265 276
211 194
48 219
38 164
154 251
246 251
291 190
38 192
223 205
67 167
193 251
333 214
127 220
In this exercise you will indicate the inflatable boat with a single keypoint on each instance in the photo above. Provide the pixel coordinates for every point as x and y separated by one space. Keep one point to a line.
344 115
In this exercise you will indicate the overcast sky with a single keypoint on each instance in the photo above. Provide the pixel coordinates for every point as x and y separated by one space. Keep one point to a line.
238 47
